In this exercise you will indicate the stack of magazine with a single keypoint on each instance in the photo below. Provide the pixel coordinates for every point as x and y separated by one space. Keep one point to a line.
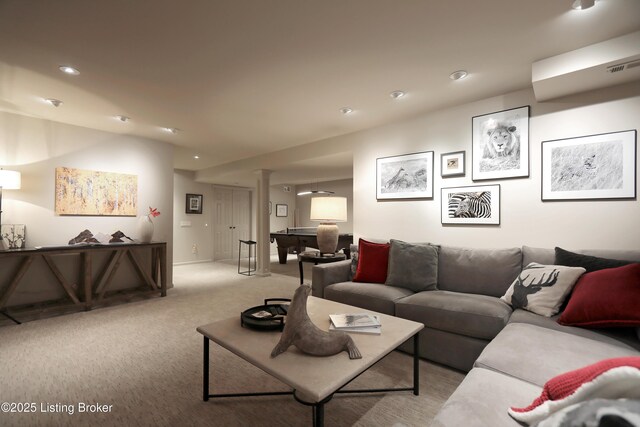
362 323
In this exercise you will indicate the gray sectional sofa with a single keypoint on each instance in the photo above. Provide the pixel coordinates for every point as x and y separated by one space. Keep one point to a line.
509 355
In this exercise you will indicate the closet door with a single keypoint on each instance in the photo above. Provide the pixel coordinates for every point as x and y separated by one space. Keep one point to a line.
223 224
241 217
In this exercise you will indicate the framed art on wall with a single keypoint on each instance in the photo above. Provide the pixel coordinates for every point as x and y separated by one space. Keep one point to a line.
500 145
409 176
590 167
194 204
452 164
282 210
475 204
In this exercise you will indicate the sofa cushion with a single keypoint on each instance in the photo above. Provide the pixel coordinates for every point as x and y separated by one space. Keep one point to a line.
605 298
625 337
588 262
535 354
413 266
482 400
478 271
373 259
477 316
542 288
372 296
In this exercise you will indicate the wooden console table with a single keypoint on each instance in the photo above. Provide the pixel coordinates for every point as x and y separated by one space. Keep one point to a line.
83 291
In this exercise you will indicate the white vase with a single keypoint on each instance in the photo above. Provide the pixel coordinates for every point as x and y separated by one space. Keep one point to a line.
145 229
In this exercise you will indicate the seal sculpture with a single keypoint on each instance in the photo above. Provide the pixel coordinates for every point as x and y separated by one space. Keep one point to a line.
300 331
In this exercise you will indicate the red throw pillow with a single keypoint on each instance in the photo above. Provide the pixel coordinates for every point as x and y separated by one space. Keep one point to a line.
373 259
610 379
605 298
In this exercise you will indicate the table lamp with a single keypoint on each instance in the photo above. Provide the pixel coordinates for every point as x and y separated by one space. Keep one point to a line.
9 180
328 210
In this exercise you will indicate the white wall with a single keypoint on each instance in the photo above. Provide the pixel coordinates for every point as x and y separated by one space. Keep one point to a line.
277 195
341 188
525 219
191 229
36 147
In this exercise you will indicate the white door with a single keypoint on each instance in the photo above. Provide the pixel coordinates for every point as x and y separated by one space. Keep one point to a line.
241 217
232 222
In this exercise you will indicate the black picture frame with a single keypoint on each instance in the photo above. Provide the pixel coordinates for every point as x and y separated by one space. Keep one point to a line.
396 176
452 198
452 164
282 210
194 203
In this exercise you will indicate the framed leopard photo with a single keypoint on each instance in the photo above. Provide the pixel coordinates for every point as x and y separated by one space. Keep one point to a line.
594 167
500 145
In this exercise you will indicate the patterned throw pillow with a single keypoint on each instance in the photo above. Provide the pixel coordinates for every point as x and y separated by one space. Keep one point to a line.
542 289
353 249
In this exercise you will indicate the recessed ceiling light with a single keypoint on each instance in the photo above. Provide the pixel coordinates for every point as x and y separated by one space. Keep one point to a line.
196 157
397 94
346 110
69 70
53 101
458 75
123 119
171 130
583 4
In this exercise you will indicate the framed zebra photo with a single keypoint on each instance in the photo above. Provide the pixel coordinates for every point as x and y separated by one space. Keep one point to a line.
409 176
594 167
475 204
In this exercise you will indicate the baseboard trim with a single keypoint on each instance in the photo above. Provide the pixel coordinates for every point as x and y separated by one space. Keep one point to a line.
193 262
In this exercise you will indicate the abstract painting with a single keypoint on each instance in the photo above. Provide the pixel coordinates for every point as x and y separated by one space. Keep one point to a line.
476 204
409 176
590 167
86 192
500 147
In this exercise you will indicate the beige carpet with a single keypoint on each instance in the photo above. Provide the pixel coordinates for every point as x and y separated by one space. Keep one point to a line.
145 360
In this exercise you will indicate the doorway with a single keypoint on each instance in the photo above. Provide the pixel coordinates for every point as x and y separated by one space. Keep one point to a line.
232 221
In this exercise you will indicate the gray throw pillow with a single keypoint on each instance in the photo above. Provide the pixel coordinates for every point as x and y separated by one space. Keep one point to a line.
413 266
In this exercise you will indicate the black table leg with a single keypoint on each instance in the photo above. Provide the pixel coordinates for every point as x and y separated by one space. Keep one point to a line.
318 415
205 370
416 364
301 272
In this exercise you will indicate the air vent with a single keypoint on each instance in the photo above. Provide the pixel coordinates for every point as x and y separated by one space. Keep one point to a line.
621 67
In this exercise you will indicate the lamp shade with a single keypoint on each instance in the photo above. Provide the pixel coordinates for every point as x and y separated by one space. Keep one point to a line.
329 209
10 180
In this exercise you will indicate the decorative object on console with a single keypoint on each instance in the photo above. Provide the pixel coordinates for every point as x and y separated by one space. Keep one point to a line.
452 164
328 210
87 237
13 236
605 298
589 263
590 167
500 147
542 289
373 262
86 192
194 204
413 266
476 204
145 225
300 331
609 378
9 180
282 210
409 176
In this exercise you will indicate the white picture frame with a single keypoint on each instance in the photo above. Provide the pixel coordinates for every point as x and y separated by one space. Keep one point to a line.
593 167
500 144
470 205
408 176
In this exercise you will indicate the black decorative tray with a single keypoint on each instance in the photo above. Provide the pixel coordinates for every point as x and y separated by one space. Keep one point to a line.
267 317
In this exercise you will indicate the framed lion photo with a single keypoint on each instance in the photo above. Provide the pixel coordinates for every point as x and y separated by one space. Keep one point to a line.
500 147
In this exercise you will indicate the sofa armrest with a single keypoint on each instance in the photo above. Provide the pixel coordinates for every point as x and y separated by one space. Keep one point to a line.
327 274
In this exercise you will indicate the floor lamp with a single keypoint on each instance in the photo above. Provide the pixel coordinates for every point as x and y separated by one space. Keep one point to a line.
328 210
9 180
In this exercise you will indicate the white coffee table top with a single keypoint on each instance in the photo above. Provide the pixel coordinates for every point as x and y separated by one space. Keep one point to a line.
313 378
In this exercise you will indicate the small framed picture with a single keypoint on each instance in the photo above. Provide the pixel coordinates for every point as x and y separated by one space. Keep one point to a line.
500 145
452 164
409 176
475 204
594 167
194 204
282 210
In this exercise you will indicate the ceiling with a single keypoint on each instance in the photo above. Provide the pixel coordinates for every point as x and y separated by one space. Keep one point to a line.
242 79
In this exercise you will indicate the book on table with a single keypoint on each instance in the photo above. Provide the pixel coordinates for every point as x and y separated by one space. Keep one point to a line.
375 330
354 321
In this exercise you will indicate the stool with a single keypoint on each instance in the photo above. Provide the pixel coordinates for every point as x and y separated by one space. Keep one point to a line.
250 244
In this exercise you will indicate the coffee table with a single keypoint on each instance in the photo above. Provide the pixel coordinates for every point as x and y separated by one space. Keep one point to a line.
313 380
